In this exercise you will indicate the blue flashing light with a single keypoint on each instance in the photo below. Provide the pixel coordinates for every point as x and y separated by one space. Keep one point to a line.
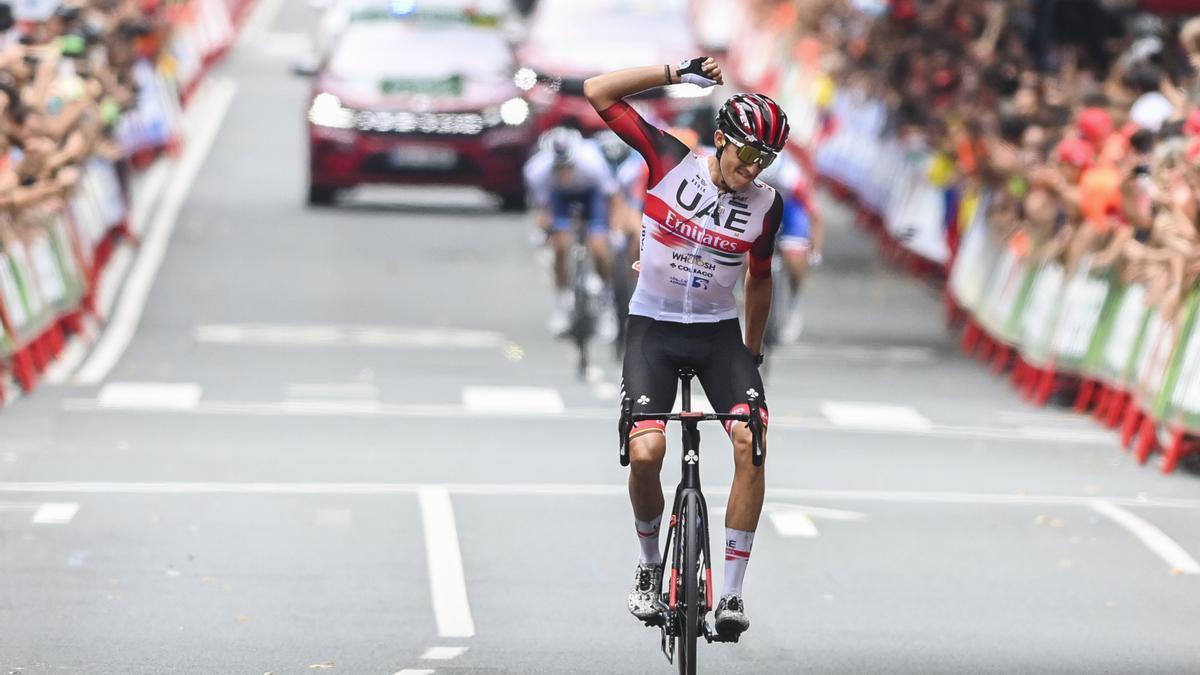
403 7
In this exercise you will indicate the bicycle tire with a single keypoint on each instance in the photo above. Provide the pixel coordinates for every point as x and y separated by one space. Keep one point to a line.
582 321
689 613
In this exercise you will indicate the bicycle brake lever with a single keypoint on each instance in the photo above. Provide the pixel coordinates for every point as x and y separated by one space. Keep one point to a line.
756 430
623 429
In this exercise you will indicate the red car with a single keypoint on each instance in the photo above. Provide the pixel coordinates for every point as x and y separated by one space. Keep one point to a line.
418 103
574 39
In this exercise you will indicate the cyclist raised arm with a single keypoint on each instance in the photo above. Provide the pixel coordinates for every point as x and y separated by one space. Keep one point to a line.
705 218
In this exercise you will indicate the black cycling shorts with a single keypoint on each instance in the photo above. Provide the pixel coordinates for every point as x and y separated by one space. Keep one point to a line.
656 350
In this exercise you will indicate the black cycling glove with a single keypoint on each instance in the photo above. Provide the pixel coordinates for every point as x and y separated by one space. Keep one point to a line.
692 72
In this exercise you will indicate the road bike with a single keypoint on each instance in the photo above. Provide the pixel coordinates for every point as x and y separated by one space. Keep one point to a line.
689 595
586 287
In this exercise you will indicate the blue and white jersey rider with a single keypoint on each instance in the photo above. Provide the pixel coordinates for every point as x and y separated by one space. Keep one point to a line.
569 177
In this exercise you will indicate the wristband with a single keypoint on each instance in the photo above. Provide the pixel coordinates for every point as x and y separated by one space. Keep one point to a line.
667 72
759 359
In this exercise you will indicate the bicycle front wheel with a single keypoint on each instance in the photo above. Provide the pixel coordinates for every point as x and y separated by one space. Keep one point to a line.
689 592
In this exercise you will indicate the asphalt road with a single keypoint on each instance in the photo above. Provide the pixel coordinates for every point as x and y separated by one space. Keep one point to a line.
340 438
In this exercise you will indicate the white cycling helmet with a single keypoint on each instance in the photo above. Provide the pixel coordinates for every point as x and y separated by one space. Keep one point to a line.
563 142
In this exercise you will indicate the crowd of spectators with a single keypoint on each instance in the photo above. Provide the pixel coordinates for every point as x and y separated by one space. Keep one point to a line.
65 79
1079 119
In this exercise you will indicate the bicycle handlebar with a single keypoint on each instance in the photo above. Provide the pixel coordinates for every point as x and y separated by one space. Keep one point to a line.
753 419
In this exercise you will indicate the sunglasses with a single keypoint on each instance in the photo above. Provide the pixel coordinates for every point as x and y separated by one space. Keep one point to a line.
749 154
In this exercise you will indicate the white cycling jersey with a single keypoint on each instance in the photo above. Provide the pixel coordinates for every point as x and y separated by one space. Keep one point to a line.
696 240
590 171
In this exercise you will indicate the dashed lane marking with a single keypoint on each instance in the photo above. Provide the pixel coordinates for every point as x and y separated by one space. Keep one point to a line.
415 671
548 408
55 513
331 335
443 653
150 396
573 490
875 416
508 400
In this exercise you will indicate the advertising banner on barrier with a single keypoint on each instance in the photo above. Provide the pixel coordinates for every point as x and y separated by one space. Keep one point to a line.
1081 309
1041 313
1175 388
1121 348
13 302
1187 390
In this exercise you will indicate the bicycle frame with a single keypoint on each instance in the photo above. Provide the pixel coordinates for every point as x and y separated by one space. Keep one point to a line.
674 621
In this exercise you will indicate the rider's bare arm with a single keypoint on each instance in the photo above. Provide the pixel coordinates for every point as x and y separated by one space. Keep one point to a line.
604 90
758 306
759 285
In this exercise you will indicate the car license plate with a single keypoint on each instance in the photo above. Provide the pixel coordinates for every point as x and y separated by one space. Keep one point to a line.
423 157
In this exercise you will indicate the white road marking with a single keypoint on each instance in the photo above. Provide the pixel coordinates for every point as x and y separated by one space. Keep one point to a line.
852 354
778 421
528 400
150 395
1154 539
415 671
446 580
874 416
606 391
55 513
793 523
390 337
146 194
817 512
1065 434
355 390
259 21
214 100
794 520
443 653
109 285
570 490
323 407
1036 418
73 354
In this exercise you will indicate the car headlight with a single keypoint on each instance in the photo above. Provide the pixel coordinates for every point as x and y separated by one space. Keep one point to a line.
514 112
327 111
525 79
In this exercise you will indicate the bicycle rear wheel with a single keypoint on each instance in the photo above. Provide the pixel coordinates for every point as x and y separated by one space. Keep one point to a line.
689 594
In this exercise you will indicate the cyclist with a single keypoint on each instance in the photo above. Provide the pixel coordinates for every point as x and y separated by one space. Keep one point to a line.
569 178
801 239
704 218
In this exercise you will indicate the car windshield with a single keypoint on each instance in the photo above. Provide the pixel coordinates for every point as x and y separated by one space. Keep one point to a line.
610 33
418 58
658 20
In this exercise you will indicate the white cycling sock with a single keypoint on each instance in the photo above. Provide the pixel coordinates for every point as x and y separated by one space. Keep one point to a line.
647 531
737 555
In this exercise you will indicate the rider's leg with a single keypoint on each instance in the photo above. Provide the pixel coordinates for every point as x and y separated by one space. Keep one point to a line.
728 377
797 267
601 246
743 510
561 242
649 380
646 451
